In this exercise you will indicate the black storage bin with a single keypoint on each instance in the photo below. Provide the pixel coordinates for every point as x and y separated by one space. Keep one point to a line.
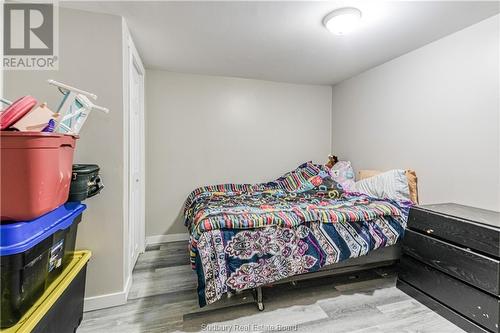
85 182
33 254
60 307
66 314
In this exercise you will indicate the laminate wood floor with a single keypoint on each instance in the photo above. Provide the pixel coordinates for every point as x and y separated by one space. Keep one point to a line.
163 298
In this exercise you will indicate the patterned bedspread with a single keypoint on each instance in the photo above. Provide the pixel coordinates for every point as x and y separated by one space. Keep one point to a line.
245 236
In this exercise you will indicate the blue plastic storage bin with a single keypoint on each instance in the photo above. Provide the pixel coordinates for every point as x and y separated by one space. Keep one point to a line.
32 255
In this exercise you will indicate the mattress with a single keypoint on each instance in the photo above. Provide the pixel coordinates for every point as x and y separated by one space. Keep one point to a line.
247 236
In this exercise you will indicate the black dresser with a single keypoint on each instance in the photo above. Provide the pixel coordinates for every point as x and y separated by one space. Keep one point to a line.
451 263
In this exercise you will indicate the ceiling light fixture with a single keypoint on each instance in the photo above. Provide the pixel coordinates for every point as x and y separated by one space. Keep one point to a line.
343 20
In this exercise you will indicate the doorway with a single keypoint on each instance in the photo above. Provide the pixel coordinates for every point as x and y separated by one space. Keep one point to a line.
136 220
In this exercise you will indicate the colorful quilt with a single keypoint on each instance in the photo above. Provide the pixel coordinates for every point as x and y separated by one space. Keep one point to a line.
244 236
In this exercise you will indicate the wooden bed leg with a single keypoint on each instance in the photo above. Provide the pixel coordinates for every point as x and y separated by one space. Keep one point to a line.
258 298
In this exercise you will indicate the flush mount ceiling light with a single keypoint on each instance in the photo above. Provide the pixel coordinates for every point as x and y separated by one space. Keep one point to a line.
343 20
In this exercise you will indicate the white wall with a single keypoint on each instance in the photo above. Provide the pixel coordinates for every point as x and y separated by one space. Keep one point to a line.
207 130
95 64
435 110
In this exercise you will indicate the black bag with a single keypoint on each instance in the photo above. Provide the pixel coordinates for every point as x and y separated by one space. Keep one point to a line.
85 182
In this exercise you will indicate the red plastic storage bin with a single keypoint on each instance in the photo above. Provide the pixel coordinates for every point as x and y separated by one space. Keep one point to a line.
36 173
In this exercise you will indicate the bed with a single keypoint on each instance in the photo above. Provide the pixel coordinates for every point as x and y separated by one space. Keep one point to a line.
246 236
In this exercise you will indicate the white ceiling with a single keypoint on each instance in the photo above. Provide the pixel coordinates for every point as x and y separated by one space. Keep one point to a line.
284 41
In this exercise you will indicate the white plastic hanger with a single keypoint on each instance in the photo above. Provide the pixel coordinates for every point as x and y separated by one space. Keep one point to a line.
74 108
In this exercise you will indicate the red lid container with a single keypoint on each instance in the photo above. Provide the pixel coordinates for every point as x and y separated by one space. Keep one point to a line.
16 111
36 173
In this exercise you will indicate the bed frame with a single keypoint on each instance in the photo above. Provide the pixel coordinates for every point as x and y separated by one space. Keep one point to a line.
383 257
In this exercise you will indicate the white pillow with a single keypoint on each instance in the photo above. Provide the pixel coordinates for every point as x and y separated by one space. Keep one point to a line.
391 184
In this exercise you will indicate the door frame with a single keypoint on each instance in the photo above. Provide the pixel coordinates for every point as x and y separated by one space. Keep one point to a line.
134 61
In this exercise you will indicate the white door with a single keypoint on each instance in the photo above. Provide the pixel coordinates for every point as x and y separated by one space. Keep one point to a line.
136 221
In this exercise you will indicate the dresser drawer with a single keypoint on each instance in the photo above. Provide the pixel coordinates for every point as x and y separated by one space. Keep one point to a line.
472 303
480 271
479 236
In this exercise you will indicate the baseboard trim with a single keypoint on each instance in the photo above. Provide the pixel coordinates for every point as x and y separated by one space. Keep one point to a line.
157 239
108 300
104 301
128 285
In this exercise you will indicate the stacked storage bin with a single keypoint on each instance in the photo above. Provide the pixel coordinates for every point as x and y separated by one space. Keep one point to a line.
38 228
36 170
60 307
41 275
33 254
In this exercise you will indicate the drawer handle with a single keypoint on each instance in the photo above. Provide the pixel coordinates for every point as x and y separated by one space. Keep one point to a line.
429 231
